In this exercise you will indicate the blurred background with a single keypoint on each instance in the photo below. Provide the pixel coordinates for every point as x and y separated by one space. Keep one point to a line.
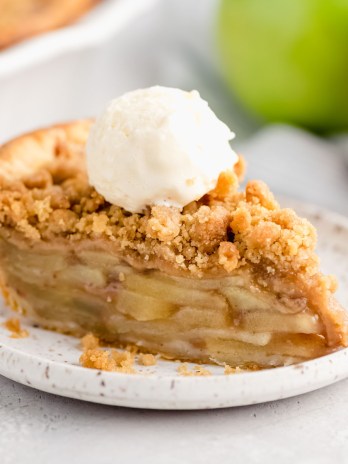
275 71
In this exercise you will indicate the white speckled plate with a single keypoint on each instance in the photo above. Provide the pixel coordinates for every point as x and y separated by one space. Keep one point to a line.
49 361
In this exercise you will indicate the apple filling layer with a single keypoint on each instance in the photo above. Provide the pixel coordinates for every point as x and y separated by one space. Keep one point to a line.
222 320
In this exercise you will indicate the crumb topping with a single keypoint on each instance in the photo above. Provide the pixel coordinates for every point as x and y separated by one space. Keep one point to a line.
14 326
224 230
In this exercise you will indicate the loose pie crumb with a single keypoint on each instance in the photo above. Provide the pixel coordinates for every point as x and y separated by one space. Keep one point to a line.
96 357
231 370
14 326
104 359
89 342
196 371
147 359
132 349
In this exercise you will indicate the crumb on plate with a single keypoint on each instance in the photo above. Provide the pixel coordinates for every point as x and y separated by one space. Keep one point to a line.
197 371
231 370
147 359
14 326
95 357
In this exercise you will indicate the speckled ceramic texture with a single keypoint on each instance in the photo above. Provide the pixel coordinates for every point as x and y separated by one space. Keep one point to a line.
49 361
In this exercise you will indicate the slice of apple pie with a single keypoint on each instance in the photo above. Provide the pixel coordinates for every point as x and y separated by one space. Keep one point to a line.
230 278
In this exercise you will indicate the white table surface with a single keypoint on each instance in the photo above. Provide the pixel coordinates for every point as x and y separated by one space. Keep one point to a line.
41 428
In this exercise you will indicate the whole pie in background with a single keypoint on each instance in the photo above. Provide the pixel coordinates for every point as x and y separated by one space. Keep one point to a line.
230 279
20 19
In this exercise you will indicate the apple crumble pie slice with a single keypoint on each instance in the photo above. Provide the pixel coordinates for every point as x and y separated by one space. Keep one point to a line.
231 279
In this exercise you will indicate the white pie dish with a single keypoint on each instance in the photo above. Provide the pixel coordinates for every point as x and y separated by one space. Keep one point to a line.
49 361
95 27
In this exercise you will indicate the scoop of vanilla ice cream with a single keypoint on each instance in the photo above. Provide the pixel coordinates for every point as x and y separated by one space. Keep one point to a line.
157 146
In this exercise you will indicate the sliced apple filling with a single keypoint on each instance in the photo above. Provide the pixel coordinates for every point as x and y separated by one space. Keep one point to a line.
222 319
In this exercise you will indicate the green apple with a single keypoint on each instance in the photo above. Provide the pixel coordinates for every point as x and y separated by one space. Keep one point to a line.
287 60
